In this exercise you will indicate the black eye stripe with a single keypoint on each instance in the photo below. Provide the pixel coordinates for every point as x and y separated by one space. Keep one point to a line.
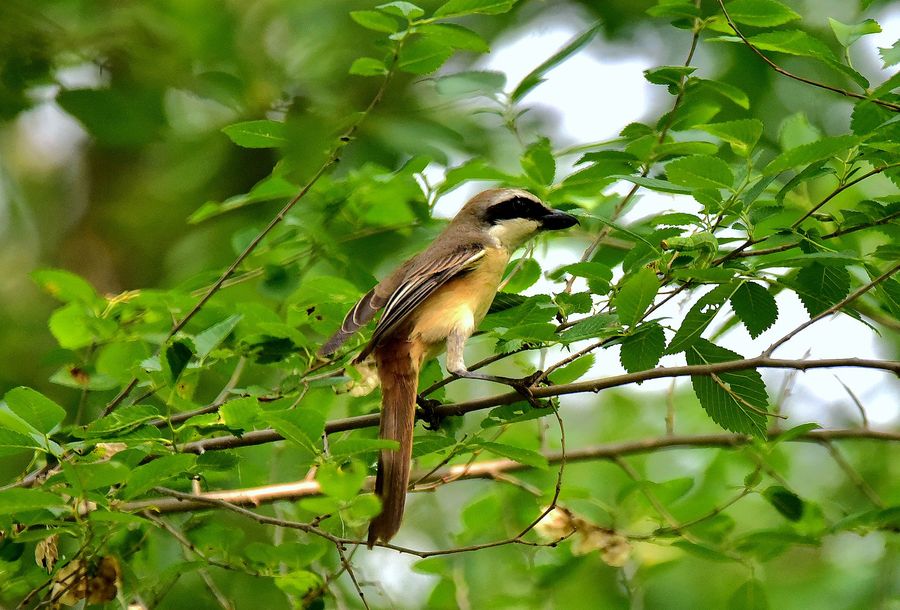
516 207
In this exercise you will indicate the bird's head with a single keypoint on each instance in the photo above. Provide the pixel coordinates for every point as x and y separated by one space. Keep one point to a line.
512 216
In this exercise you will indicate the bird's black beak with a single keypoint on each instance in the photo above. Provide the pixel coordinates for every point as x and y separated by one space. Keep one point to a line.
558 220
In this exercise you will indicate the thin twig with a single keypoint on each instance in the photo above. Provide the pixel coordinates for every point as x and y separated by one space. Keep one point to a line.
808 81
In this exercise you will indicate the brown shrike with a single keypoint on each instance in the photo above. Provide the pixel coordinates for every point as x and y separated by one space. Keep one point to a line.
436 299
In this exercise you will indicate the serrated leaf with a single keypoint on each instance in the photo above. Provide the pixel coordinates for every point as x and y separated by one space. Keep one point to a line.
517 454
726 90
735 400
792 42
368 66
700 171
456 37
376 21
636 295
84 477
14 501
755 307
340 482
538 162
593 327
655 184
468 83
785 502
742 134
526 273
573 371
209 339
143 478
699 317
668 75
39 411
304 427
642 350
256 134
423 55
402 9
458 8
821 149
240 413
848 33
14 442
65 286
821 286
795 432
761 13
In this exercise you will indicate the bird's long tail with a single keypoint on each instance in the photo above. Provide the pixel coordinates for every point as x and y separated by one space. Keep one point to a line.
398 367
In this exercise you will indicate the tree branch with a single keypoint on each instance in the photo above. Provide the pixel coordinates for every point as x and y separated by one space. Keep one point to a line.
258 437
254 496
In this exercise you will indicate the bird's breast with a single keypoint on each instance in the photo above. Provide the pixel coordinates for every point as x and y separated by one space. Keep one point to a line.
461 303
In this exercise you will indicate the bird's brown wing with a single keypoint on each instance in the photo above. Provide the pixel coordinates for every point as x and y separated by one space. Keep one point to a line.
420 282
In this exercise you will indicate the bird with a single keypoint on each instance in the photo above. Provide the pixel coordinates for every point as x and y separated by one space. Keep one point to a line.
435 300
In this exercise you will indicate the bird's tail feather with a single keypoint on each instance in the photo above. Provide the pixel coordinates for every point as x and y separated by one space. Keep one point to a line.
398 367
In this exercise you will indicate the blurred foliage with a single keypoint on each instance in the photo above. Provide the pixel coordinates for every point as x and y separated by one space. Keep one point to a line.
144 145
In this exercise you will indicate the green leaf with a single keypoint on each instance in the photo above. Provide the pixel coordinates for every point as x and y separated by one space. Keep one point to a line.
340 482
39 411
368 66
699 317
517 454
12 443
458 8
804 154
785 502
423 55
749 596
539 163
256 134
847 34
527 272
456 37
792 42
117 116
353 446
65 286
642 350
742 134
375 20
795 432
680 149
536 76
298 584
468 83
636 295
890 55
668 75
241 413
755 306
303 427
572 371
71 326
821 286
96 475
143 478
655 184
402 9
210 338
736 400
593 327
177 357
700 171
761 13
13 501
726 90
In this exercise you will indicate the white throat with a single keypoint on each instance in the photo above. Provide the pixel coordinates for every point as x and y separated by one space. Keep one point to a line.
513 232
